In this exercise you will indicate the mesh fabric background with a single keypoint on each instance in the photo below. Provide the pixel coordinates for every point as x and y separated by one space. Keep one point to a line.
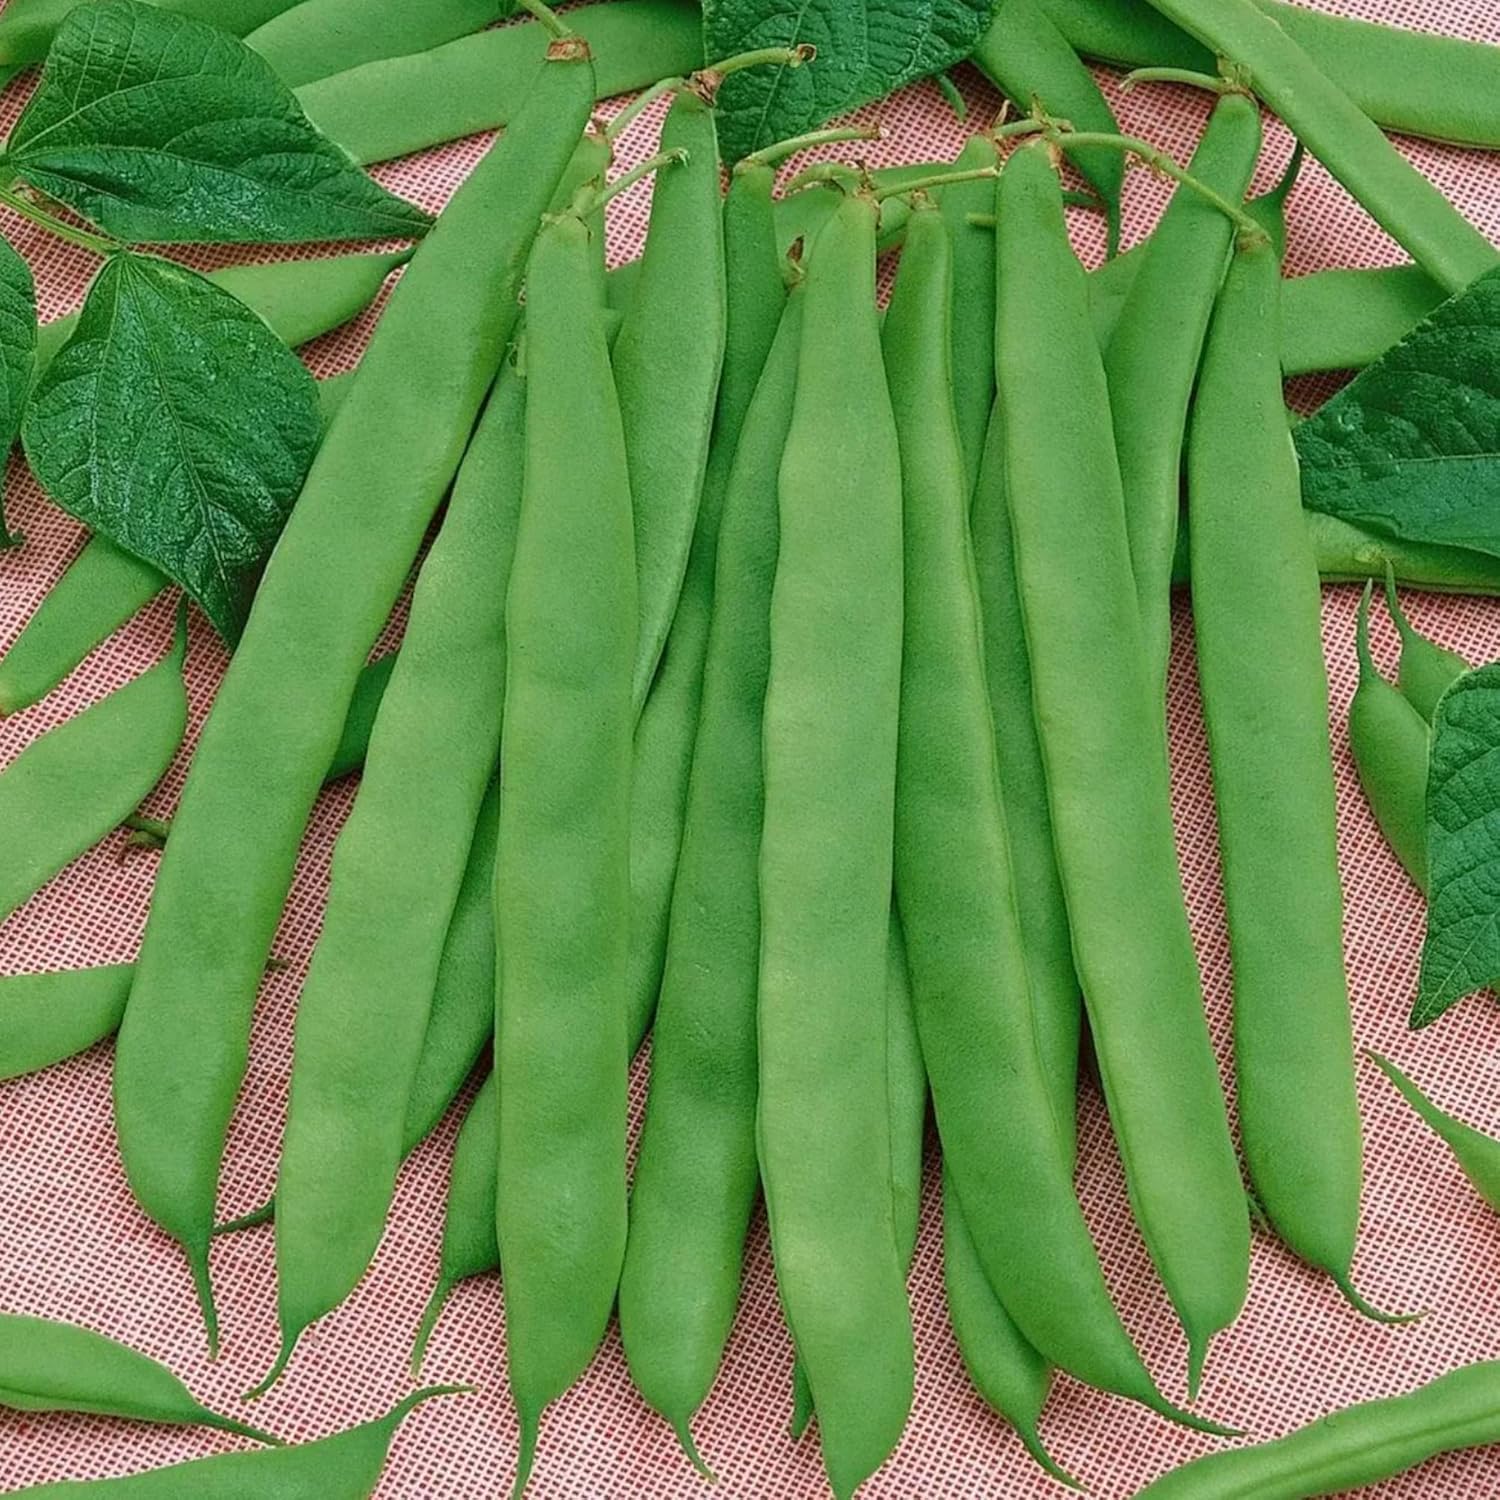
75 1246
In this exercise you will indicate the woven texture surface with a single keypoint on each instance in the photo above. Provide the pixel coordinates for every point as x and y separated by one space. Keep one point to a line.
75 1246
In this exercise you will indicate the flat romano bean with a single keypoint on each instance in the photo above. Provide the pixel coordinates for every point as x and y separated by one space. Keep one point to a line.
1475 1152
1324 118
1033 64
346 1466
27 27
1103 745
462 1019
1426 670
1350 1448
403 104
432 754
50 1366
104 586
1257 618
315 38
470 1247
70 787
971 991
1411 81
1008 1373
562 874
1151 360
825 865
667 361
45 1018
1390 741
326 594
696 1172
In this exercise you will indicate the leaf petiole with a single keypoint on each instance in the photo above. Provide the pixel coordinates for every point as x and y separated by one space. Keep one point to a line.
96 244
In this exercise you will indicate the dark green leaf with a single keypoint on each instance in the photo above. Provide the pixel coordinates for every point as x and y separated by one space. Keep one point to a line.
163 129
17 352
1462 951
177 425
1411 448
866 48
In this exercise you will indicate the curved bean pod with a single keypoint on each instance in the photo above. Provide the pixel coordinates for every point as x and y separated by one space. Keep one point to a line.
1388 71
1475 1152
45 1018
56 801
1106 766
1257 619
1390 742
971 991
562 874
696 1173
104 586
403 104
49 1366
315 38
372 490
825 865
1032 62
1427 670
345 1466
1348 1449
1151 361
431 756
1323 117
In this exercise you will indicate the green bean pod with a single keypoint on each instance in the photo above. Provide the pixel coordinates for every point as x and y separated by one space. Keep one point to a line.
28 26
431 756
562 874
1151 361
1477 1154
825 865
696 1172
104 586
403 104
667 360
973 320
330 585
1390 741
1427 670
971 990
1008 1373
69 788
1350 1448
1103 745
1257 619
49 1366
346 1466
1410 81
1323 117
1032 63
45 1018
470 1247
315 38
1345 320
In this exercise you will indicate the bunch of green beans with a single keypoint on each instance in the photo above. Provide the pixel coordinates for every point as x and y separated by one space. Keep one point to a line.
792 680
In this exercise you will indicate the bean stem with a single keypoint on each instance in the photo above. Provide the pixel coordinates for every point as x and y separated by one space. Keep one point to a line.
935 180
549 18
82 238
774 154
786 57
591 200
1158 161
638 106
1190 77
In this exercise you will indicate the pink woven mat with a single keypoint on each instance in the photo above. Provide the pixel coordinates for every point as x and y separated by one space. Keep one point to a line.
75 1246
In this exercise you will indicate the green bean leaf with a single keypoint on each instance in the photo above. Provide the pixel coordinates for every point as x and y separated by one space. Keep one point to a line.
866 48
163 129
177 425
1411 448
17 353
1462 950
